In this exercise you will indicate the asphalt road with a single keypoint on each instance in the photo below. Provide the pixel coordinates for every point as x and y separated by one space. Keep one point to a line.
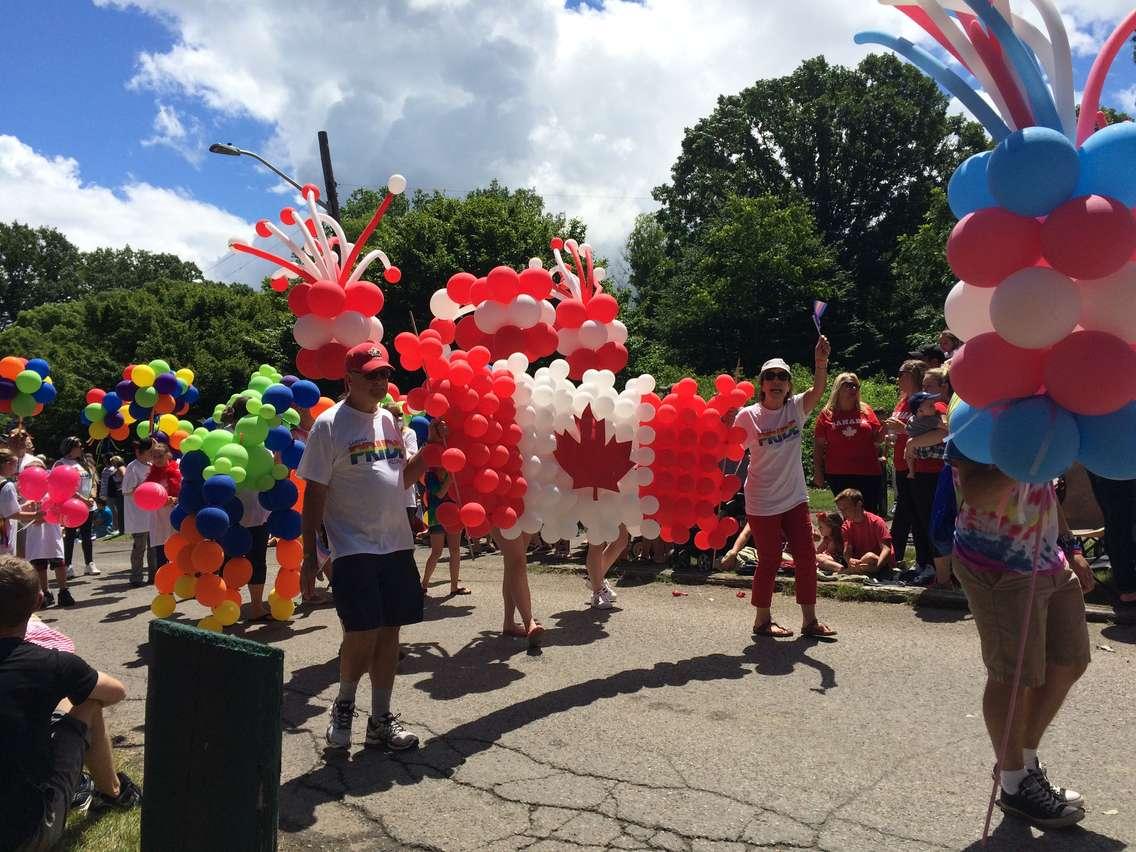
658 725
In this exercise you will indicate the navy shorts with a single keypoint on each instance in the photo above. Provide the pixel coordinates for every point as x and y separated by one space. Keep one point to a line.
372 590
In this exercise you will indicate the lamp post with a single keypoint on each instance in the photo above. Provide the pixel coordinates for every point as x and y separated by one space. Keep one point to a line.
332 207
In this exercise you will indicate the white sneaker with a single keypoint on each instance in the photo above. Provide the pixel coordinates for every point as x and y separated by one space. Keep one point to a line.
92 570
609 590
387 732
339 731
70 572
602 600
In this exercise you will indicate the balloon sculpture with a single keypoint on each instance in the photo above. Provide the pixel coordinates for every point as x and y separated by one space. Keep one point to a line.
334 308
25 386
150 396
207 553
1043 247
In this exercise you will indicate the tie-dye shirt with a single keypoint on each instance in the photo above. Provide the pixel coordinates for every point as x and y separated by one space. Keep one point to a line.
1021 534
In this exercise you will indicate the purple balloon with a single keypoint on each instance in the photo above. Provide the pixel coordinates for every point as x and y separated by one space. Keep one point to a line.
125 390
166 383
289 380
113 420
8 389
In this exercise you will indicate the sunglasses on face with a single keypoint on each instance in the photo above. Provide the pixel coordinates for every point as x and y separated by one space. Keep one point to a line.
852 385
376 375
775 376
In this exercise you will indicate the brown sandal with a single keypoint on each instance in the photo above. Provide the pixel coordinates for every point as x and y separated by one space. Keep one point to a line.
815 630
459 590
772 629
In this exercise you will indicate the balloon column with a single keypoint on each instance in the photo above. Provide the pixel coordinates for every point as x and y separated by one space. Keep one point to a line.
207 554
1043 249
149 396
334 308
25 386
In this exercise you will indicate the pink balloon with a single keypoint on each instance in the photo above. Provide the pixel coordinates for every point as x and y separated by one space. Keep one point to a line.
1090 372
988 245
1089 237
50 510
62 482
472 515
32 483
74 512
150 496
988 369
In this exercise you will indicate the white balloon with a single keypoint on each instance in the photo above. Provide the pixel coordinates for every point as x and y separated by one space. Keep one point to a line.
617 332
547 312
599 273
536 263
517 362
581 401
592 335
376 331
625 409
647 383
542 396
643 455
645 412
967 310
351 328
603 407
649 505
650 528
442 306
512 533
524 312
560 369
396 184
646 435
1109 304
489 316
568 341
1035 307
312 331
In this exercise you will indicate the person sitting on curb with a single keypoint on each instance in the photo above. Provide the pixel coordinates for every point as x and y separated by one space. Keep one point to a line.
51 724
867 540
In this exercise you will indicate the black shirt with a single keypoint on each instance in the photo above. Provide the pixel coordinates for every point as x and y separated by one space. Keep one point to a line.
33 680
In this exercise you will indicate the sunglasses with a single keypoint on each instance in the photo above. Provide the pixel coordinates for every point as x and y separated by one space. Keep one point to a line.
852 385
776 376
375 375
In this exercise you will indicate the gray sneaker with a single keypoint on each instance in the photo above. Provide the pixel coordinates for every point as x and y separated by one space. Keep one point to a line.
387 732
339 731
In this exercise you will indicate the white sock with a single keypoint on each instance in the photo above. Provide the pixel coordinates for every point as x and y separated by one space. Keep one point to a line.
1012 779
347 690
380 701
1029 758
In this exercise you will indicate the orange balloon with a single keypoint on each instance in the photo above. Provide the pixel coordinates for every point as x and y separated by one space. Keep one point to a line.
175 544
210 590
184 561
165 578
207 556
188 530
238 571
300 486
122 433
323 405
177 437
290 553
12 365
234 595
165 404
288 584
39 410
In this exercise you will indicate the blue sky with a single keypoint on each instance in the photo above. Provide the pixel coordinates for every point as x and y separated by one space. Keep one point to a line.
587 103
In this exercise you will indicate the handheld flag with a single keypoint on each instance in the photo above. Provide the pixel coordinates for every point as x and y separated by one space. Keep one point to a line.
819 308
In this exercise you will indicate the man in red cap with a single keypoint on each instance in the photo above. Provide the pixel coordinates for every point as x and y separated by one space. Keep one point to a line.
357 472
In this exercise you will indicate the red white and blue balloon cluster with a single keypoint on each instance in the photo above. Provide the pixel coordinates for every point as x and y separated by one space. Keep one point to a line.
1043 247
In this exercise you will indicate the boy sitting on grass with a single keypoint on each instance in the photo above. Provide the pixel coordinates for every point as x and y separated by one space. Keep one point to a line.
51 724
867 539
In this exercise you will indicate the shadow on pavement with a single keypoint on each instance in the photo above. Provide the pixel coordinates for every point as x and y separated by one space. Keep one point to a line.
124 614
482 665
578 627
936 615
1120 633
776 658
1012 835
305 684
368 772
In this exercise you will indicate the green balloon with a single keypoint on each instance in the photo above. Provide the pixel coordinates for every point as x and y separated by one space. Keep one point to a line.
146 397
291 417
238 474
200 431
266 412
265 482
222 465
260 383
260 465
214 441
188 445
23 405
218 411
185 426
267 370
209 472
235 454
252 406
159 366
280 471
95 412
251 432
28 381
143 429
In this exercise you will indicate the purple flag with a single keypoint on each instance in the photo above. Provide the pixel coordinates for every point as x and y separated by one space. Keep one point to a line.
819 308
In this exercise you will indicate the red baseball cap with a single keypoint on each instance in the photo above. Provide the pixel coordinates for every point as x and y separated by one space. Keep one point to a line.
365 357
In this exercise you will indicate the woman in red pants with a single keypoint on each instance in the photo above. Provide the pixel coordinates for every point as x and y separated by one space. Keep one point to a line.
777 500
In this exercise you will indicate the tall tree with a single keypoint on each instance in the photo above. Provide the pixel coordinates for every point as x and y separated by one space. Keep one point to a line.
109 269
37 265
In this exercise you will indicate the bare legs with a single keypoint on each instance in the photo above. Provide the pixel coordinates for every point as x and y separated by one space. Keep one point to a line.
1035 709
453 541
602 556
370 651
515 585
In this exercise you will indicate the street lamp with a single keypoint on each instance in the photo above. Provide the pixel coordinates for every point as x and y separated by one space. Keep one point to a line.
231 150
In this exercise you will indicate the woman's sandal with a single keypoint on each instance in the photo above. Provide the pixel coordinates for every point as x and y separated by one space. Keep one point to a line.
815 630
534 634
517 631
772 629
459 590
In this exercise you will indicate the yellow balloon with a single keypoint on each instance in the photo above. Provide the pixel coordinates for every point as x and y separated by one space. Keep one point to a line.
98 431
955 400
163 606
168 423
127 418
186 375
185 587
227 612
142 375
210 623
282 609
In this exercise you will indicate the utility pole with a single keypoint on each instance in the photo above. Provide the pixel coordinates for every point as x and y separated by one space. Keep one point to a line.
328 177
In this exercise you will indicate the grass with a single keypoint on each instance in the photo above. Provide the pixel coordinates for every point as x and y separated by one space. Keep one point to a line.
821 500
112 831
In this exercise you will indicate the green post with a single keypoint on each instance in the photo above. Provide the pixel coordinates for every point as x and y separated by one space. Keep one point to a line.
213 735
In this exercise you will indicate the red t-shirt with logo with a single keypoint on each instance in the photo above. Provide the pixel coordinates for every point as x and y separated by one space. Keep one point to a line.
851 438
866 536
921 465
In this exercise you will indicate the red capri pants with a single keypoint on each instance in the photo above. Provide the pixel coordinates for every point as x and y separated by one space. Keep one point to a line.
768 533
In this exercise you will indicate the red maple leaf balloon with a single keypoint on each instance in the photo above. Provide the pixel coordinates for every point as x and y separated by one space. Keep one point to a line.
594 461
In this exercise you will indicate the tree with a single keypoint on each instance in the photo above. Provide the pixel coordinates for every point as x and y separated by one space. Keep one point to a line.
922 275
37 265
109 269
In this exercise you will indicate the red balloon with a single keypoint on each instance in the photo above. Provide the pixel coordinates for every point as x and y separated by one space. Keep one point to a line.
476 425
326 299
509 339
448 514
453 459
472 515
571 313
308 363
503 284
467 334
536 282
504 386
580 361
603 308
478 291
503 517
488 404
989 245
512 435
466 399
478 357
988 369
364 297
486 480
477 454
437 405
1089 237
331 360
612 356
445 328
405 343
95 395
298 299
457 288
1091 372
429 348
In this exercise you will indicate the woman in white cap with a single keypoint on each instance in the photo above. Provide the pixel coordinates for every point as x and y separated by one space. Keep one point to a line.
776 497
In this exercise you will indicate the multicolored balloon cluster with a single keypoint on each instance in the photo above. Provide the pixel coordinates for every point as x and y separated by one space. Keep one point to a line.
151 396
25 386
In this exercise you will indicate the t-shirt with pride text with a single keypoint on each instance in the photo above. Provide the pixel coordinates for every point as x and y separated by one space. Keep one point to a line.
360 457
776 480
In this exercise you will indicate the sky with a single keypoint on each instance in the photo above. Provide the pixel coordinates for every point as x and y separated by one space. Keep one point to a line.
109 107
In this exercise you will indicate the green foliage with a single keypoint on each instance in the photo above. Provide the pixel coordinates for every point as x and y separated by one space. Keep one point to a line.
922 276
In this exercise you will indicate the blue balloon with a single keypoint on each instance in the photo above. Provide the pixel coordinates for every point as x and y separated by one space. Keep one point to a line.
177 516
421 427
289 380
235 509
1106 164
285 524
1033 171
8 389
190 498
210 424
86 421
219 490
212 522
305 394
968 190
46 393
138 412
40 366
1108 443
970 432
125 390
192 394
282 495
112 401
291 456
278 396
1034 440
114 421
279 438
237 541
193 465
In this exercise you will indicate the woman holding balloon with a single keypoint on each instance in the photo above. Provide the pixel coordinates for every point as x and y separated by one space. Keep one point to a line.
71 455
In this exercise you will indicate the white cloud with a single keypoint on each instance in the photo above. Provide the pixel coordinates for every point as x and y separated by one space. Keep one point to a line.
170 131
47 191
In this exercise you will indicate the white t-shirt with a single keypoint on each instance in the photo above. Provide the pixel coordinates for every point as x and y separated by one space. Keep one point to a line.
9 507
254 515
360 458
775 482
136 521
44 541
410 441
161 527
86 481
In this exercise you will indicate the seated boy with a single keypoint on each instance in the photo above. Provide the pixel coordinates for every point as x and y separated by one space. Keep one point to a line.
51 723
867 540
